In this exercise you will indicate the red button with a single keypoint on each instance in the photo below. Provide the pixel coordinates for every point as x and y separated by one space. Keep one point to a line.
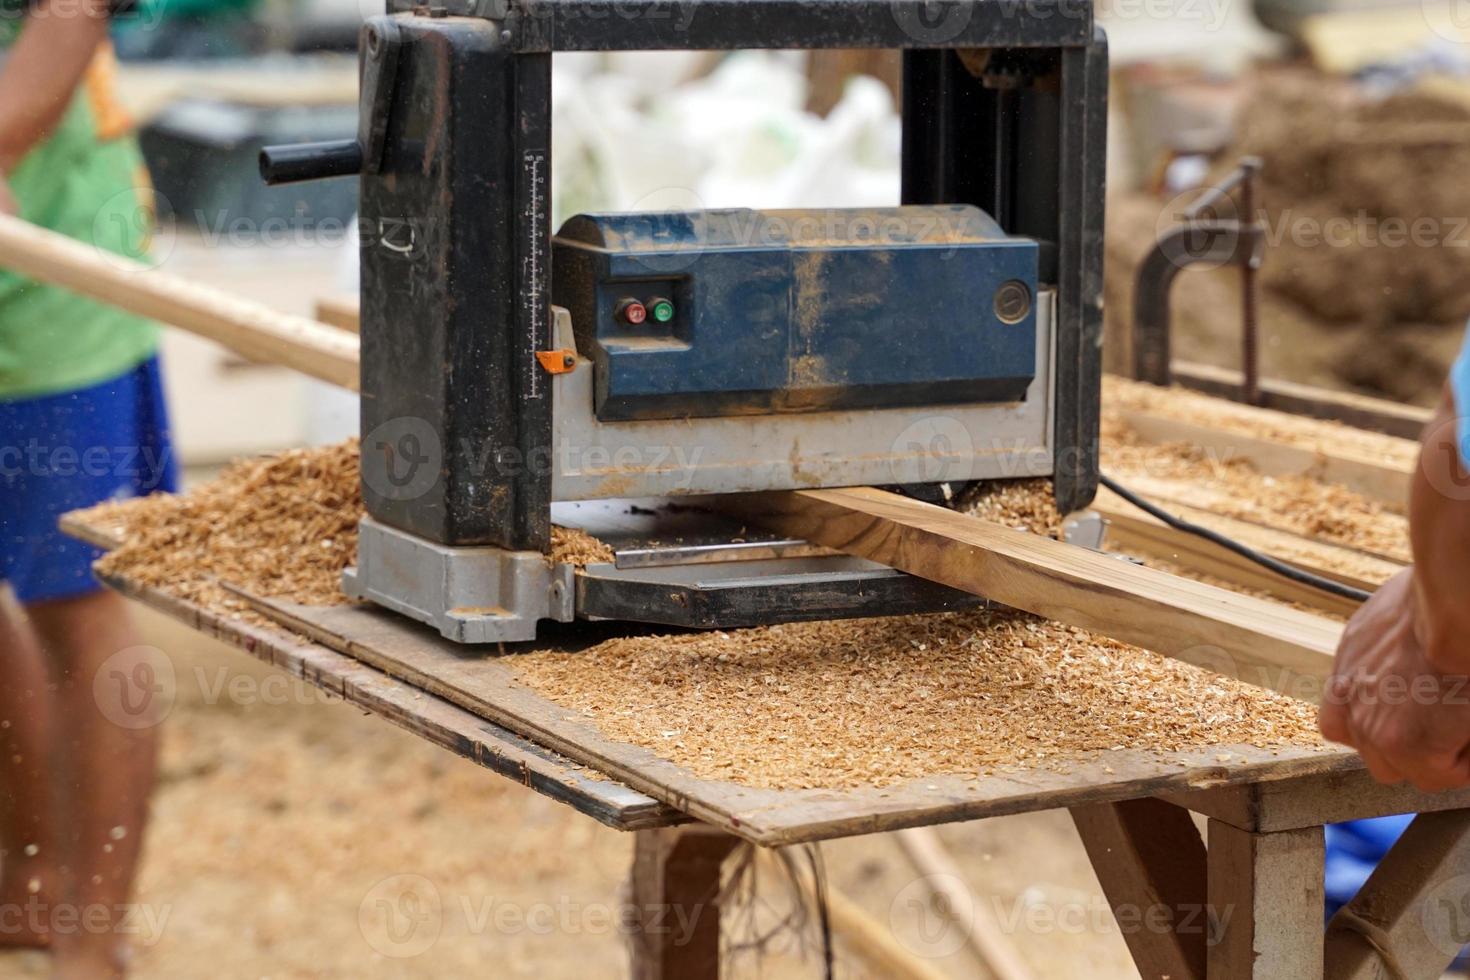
633 311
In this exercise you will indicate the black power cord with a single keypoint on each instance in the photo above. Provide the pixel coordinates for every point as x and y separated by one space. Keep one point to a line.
1266 561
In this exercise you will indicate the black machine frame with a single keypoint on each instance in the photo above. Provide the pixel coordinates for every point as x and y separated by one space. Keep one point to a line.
1004 107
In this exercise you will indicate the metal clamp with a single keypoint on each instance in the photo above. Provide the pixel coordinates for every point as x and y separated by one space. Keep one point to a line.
1198 240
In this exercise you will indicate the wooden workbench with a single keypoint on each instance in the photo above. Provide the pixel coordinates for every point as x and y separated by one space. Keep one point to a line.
1257 874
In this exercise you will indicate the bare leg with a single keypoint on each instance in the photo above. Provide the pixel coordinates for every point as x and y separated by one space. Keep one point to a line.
109 750
29 841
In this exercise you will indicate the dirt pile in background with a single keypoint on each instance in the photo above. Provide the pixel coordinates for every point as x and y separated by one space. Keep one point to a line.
1366 281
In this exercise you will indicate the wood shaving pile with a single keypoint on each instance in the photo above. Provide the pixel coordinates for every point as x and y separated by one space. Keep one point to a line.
280 525
276 525
1232 487
575 546
881 701
1122 395
1026 504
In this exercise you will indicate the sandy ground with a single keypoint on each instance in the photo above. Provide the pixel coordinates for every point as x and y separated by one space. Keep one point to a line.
292 835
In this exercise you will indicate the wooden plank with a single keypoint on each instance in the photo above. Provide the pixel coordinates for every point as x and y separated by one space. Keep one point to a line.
1257 641
341 312
1130 527
1150 861
1272 805
250 329
1360 411
1199 501
1374 477
1145 537
431 718
1408 920
1121 395
487 685
1266 896
676 897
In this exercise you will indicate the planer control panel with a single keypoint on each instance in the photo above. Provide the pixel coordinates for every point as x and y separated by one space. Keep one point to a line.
746 312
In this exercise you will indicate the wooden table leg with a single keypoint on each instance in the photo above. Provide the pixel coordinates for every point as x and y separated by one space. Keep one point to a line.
1266 902
676 897
1413 915
1150 861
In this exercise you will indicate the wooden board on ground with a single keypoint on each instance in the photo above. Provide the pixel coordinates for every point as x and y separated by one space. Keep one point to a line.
1385 481
1268 644
1221 508
487 685
1134 532
1359 411
1132 526
431 718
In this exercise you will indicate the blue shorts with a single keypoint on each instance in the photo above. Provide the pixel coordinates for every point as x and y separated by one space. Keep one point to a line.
69 450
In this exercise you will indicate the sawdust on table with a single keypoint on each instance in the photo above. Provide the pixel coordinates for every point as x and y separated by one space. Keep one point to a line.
284 524
881 701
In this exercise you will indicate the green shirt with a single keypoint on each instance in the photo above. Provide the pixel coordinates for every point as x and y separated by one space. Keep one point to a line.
87 187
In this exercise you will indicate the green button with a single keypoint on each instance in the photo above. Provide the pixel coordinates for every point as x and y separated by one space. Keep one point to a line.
663 310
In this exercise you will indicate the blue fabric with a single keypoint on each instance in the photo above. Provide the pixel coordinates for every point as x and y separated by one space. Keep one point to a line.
74 449
1353 851
1460 389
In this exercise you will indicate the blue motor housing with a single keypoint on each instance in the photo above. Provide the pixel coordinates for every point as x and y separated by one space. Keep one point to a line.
742 312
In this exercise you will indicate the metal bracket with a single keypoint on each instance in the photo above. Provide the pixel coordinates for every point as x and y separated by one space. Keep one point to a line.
1198 240
470 595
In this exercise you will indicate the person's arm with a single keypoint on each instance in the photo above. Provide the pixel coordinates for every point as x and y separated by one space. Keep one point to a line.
42 72
1439 530
1400 690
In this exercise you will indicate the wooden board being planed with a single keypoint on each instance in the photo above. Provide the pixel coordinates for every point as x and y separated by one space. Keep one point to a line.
1258 641
250 329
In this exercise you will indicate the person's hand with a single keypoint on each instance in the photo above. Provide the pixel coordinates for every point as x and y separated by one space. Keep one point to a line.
1408 720
8 203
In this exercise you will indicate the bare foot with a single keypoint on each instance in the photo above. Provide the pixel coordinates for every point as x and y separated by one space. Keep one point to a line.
25 905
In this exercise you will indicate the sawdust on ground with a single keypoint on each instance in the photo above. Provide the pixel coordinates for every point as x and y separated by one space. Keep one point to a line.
1231 487
881 701
1123 395
284 524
